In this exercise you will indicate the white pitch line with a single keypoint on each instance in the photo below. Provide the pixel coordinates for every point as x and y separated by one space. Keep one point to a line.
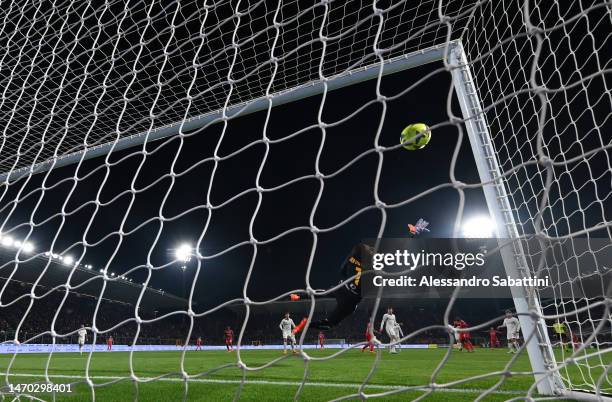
268 382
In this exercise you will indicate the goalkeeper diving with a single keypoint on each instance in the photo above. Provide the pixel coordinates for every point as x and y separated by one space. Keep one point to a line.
348 296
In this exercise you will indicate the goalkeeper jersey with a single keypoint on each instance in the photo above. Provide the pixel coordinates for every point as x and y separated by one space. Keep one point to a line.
353 266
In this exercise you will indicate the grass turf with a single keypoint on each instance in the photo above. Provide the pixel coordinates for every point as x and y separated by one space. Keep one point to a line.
327 379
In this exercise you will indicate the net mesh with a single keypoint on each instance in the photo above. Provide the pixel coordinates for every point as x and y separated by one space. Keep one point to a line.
553 84
77 76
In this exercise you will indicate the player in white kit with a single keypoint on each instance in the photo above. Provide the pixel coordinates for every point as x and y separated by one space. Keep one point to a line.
513 327
390 324
286 325
82 332
400 334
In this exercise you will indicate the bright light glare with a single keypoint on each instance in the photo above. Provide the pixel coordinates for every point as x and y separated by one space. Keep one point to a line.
479 228
183 253
7 241
27 247
68 260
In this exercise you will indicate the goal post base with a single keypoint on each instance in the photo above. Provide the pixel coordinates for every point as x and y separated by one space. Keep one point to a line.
586 396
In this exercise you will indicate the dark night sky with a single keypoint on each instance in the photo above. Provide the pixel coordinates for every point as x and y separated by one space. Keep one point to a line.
280 265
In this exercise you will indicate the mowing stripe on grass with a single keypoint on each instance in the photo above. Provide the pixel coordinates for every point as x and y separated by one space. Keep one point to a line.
270 382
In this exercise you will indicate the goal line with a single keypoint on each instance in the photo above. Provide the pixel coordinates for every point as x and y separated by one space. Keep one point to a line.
386 387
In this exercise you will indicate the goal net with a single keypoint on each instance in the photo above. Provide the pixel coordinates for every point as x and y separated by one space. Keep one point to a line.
249 128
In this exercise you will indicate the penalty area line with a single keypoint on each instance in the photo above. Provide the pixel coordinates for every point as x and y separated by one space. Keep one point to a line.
272 382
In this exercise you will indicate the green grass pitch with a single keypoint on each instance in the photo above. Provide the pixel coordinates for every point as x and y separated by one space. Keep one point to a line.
327 380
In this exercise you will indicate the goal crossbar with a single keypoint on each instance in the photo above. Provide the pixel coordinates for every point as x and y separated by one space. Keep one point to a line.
309 89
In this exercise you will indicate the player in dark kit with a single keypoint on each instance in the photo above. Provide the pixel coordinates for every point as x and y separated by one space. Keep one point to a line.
348 295
229 339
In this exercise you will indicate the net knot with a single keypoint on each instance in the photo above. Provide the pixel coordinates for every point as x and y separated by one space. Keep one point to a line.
445 19
546 161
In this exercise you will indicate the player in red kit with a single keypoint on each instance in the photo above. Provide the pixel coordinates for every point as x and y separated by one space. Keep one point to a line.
464 337
321 339
109 343
368 336
575 341
198 343
229 339
493 339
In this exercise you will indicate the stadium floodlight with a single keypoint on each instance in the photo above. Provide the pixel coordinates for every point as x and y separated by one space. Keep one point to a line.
17 244
480 227
7 241
68 260
183 252
27 247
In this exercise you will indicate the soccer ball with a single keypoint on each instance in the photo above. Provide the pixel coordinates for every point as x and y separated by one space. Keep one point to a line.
412 131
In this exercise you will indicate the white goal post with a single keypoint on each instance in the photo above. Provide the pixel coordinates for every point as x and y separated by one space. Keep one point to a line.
526 300
531 81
